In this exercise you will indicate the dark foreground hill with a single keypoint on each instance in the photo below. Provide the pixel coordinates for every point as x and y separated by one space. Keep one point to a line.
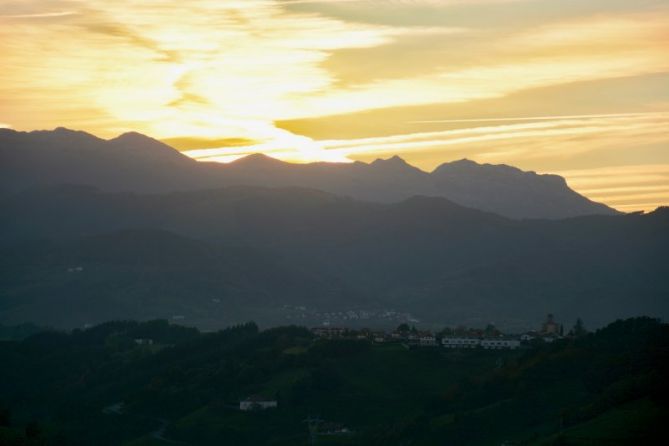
134 162
75 255
98 386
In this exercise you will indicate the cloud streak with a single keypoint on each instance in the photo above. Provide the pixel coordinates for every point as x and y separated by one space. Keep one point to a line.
540 139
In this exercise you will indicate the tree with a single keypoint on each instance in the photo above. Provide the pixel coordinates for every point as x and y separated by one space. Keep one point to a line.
5 417
403 328
491 331
579 329
33 430
447 331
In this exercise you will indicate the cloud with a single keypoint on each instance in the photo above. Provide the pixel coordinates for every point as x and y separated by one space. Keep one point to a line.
530 143
42 15
628 188
536 128
535 137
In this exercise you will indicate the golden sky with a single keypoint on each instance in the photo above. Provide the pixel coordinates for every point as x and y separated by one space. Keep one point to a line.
574 87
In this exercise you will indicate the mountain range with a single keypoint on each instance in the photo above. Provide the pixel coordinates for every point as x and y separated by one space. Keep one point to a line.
136 163
73 255
129 228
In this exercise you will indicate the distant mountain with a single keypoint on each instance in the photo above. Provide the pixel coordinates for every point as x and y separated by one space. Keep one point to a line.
221 256
133 162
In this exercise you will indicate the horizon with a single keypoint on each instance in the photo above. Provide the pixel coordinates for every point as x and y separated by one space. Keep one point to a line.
577 89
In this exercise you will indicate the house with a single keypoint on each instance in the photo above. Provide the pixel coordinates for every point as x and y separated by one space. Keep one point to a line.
143 341
527 337
333 429
412 340
257 402
426 340
460 342
329 332
379 337
398 336
500 344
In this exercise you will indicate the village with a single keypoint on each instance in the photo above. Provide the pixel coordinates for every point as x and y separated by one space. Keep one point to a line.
489 338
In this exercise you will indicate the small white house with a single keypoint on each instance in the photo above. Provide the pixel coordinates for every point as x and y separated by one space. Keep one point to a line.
143 341
460 342
257 402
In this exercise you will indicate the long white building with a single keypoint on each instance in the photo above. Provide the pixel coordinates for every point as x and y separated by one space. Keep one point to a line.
460 342
500 344
488 344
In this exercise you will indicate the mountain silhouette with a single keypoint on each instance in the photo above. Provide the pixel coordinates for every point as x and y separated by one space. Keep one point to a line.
239 253
136 163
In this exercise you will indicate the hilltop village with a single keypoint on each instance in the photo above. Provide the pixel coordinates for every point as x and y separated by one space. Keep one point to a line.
489 338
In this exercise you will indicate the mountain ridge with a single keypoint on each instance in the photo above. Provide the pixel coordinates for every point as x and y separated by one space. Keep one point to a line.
246 252
138 163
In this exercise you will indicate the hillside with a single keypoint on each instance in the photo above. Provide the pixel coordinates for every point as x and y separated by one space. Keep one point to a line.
75 255
98 386
136 163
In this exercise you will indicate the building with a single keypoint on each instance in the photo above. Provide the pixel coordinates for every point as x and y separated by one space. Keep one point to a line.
427 341
527 337
257 402
550 327
333 429
329 332
143 341
500 344
460 342
379 337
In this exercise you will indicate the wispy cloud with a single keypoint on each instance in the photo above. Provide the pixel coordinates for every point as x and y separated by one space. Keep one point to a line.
43 15
541 138
650 125
628 188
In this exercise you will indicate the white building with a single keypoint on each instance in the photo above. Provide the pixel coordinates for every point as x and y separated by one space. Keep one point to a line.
329 332
500 344
257 402
460 342
428 341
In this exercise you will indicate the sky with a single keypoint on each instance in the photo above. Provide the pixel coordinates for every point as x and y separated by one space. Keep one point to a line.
574 87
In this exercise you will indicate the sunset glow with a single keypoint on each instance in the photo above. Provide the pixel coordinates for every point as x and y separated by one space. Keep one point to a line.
576 88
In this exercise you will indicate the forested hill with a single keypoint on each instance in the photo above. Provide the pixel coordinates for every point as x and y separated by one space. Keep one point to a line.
99 386
71 256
